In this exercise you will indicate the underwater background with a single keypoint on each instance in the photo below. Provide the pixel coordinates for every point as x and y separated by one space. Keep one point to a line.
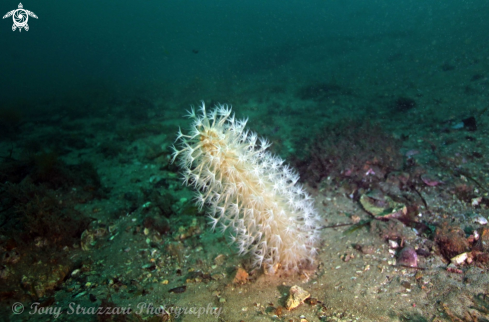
381 107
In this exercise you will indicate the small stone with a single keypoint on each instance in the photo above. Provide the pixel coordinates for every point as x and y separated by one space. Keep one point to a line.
431 180
297 296
355 219
406 284
408 257
220 259
366 249
87 240
419 275
217 277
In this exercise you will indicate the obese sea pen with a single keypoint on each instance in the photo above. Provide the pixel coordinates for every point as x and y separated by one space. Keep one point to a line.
248 192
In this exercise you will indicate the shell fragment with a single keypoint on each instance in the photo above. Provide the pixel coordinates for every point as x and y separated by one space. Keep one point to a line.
297 296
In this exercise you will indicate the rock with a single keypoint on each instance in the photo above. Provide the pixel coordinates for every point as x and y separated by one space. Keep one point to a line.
220 260
89 237
38 285
157 222
87 240
241 276
451 240
366 249
430 180
470 124
408 257
297 296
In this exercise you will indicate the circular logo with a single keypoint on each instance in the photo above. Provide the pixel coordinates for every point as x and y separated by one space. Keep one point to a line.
17 308
20 17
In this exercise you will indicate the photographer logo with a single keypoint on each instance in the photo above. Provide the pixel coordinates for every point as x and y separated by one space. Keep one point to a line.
20 17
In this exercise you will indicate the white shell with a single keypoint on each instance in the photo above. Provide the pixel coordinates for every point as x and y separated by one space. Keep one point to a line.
459 259
297 296
480 220
393 244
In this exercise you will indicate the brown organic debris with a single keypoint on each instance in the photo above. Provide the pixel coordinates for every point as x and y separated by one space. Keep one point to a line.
241 276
